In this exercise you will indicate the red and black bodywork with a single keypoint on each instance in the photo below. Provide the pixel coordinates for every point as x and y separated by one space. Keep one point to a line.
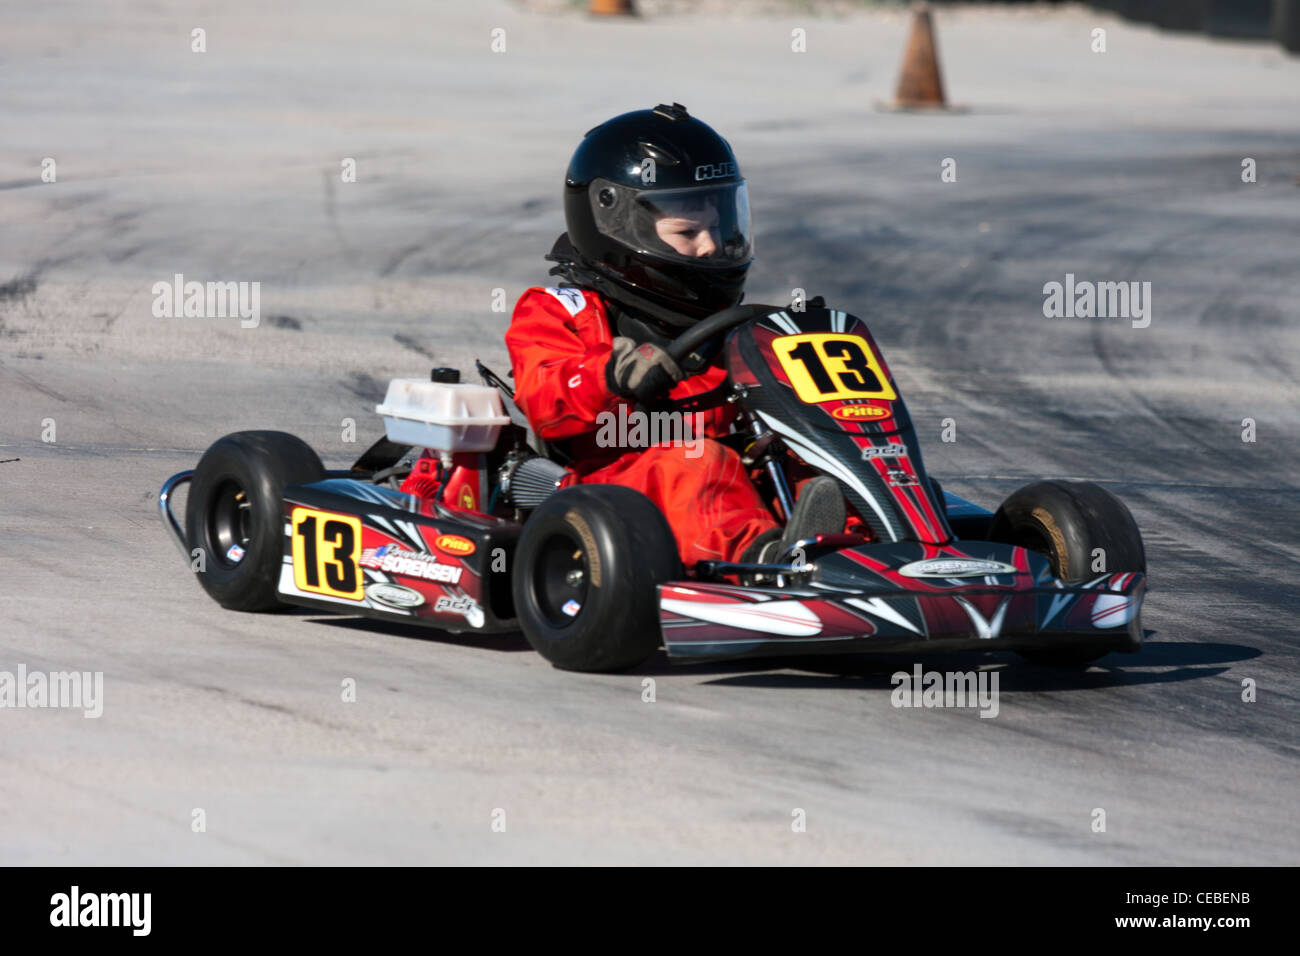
352 546
862 599
817 380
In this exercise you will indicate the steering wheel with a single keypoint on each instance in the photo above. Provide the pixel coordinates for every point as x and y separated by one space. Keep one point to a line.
719 322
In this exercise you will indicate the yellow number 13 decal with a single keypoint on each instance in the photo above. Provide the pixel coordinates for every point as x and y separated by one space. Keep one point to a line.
825 367
327 553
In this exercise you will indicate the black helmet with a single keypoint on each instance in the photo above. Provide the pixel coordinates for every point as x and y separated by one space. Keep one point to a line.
655 204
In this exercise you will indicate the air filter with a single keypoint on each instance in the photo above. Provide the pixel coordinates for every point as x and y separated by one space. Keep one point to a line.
534 480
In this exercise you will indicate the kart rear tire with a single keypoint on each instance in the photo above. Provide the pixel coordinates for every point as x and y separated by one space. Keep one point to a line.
1066 521
236 497
585 580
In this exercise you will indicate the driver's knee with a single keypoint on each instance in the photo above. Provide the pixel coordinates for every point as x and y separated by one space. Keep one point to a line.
703 459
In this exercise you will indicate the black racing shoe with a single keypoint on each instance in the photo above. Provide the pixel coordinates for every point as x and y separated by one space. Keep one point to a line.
819 510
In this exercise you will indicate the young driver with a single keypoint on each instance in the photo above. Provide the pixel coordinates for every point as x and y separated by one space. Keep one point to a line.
658 238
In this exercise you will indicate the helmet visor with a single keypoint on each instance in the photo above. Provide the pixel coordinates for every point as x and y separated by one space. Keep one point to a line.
705 225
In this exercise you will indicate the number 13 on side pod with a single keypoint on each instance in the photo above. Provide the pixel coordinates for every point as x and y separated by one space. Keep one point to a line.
327 553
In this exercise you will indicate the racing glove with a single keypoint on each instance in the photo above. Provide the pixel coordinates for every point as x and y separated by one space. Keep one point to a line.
641 372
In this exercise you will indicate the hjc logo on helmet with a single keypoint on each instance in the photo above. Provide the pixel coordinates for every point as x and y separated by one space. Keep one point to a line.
714 171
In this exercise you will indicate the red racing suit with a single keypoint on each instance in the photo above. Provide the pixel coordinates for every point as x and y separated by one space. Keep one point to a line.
560 342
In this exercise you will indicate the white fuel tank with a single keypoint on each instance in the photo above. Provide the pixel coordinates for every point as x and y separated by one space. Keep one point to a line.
443 416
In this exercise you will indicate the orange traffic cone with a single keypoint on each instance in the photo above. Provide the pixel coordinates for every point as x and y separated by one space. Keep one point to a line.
610 8
919 85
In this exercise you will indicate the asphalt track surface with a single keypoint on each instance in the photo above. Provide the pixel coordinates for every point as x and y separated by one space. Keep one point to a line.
225 166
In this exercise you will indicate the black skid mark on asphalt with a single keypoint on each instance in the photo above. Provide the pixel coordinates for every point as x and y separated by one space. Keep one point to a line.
407 342
1193 431
1052 833
1274 361
35 385
363 387
1135 266
19 288
447 254
285 322
119 256
306 718
66 203
389 267
331 213
274 708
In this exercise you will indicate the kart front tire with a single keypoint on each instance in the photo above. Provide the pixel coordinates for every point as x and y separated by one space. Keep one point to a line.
1067 521
237 499
587 567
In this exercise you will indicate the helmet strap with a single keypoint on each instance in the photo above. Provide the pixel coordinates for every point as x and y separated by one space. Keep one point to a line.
572 266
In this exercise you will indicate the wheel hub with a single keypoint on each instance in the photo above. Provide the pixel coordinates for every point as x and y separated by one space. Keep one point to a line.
230 523
560 580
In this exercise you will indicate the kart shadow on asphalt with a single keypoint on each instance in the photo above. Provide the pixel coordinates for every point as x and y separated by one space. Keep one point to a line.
509 641
1178 661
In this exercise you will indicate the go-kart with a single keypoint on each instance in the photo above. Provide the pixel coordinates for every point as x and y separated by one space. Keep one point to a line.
504 541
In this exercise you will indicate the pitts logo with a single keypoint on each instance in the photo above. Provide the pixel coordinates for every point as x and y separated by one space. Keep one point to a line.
851 413
454 544
412 564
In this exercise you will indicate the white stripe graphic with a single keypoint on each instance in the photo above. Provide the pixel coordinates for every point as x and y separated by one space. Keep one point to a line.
385 525
986 630
412 533
756 640
1112 610
880 608
809 454
791 618
403 531
1059 602
289 586
784 321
